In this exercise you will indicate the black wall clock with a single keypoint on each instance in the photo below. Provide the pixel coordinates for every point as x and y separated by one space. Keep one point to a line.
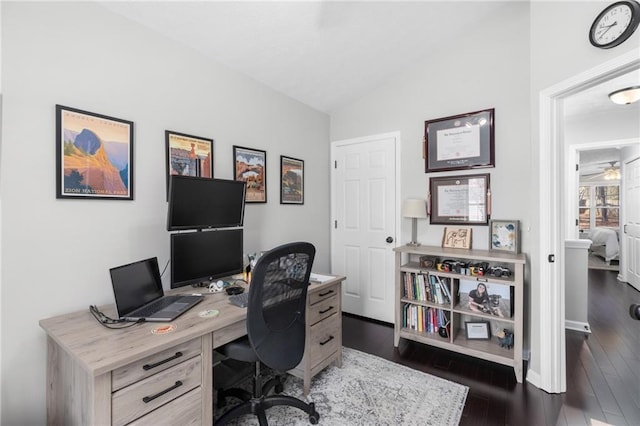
615 24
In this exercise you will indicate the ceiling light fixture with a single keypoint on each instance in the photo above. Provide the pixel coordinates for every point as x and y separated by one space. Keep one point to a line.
625 96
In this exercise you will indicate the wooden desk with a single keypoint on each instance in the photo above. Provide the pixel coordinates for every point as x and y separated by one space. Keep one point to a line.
99 376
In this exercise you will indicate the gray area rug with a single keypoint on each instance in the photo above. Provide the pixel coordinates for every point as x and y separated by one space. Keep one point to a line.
368 390
596 262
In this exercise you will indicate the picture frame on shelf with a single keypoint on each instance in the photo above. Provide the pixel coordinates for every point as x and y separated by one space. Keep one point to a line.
457 237
250 166
499 301
477 330
94 155
460 200
460 142
504 235
291 180
188 155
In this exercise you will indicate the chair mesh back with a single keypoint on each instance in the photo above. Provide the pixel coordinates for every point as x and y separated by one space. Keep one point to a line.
277 302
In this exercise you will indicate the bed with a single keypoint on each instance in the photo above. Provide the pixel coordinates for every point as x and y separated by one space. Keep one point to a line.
604 243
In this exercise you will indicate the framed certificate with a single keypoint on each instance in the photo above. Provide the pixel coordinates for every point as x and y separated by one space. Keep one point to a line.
459 142
463 200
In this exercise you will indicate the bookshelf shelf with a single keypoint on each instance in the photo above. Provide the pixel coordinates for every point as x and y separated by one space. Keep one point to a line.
427 299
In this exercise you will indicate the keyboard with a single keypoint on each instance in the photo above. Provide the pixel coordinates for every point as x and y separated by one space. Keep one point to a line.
156 306
241 299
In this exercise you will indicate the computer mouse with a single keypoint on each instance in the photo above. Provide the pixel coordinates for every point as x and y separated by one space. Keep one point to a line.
234 290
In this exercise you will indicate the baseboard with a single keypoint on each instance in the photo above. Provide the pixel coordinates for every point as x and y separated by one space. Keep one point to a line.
360 317
577 326
534 378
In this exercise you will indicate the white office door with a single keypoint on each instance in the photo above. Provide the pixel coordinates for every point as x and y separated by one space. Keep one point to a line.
364 219
631 228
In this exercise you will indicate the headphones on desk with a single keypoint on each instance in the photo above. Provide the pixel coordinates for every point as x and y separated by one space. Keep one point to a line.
216 287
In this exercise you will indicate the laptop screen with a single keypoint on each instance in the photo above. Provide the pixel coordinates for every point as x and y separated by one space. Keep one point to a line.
136 284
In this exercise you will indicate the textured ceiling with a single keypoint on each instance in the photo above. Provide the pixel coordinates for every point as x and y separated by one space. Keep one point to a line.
324 54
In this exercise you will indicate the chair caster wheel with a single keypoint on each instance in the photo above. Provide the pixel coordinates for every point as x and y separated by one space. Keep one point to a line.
314 416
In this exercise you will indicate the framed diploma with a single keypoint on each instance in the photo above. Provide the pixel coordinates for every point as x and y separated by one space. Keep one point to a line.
459 142
464 200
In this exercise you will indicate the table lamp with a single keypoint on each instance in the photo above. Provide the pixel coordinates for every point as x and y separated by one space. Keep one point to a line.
414 208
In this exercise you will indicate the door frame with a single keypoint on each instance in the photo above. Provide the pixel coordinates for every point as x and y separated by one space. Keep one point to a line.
363 139
552 374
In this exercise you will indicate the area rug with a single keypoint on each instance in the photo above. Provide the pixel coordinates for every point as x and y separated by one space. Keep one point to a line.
369 390
596 262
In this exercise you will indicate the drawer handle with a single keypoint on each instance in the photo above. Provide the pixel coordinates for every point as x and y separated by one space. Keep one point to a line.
147 367
326 341
327 310
324 294
147 399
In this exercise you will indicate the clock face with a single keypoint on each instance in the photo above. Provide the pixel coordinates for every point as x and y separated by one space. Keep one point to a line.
615 24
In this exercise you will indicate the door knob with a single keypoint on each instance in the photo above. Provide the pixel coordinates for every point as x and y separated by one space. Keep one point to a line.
389 240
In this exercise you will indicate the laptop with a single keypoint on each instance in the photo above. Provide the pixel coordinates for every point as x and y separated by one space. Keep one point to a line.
137 288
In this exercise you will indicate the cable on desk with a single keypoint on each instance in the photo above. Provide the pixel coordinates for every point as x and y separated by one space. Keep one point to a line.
110 322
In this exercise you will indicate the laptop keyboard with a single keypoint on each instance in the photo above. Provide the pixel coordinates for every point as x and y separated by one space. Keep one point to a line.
241 299
155 307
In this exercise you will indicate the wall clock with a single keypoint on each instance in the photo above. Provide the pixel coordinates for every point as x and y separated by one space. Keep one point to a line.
615 24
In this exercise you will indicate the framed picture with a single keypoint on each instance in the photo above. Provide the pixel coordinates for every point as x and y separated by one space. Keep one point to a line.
504 235
188 155
457 238
459 142
250 166
291 180
478 330
461 200
94 155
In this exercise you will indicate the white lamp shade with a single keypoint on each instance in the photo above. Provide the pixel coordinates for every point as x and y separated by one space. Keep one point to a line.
414 207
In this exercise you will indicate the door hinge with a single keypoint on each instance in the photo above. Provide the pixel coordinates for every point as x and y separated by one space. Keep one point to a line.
335 164
577 223
335 224
552 258
577 167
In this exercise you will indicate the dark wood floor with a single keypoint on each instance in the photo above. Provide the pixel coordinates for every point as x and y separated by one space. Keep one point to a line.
603 369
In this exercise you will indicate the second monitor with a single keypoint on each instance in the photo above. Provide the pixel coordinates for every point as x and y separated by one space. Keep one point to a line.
197 258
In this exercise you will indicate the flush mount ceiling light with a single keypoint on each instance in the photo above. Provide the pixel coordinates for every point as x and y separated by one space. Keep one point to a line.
624 96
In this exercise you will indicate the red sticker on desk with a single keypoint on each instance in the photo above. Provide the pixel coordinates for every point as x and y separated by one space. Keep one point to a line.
164 329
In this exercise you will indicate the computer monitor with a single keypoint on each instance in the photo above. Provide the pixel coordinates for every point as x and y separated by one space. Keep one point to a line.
203 256
199 203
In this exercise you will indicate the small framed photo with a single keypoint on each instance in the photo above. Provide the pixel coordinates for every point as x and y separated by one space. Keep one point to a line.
457 238
250 166
504 235
188 155
478 330
291 180
94 155
459 142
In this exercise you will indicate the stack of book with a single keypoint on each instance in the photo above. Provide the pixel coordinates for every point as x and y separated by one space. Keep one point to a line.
426 288
423 319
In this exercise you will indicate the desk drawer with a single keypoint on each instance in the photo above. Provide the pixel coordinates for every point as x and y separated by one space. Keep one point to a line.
155 363
146 395
183 411
318 296
323 309
324 340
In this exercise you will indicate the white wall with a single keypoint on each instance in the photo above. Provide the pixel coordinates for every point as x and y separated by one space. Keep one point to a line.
620 124
56 253
488 67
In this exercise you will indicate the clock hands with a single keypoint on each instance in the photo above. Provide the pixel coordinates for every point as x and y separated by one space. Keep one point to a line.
608 27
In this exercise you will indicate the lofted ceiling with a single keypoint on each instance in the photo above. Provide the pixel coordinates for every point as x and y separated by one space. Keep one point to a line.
326 54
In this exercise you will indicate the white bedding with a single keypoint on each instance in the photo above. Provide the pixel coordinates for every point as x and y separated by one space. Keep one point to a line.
607 238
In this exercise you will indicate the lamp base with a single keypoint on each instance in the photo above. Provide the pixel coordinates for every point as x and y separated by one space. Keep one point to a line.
413 243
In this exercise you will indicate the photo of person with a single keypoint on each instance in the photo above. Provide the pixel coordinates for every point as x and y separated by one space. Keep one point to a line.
485 297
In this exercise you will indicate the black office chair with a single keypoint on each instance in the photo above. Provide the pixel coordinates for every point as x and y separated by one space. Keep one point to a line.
275 328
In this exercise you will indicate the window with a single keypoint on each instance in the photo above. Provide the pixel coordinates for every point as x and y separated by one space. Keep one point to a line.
599 205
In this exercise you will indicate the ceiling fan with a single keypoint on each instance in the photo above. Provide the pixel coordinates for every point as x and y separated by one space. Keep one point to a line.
611 172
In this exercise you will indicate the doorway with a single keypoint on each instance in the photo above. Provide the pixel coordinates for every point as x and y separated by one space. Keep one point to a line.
553 214
365 222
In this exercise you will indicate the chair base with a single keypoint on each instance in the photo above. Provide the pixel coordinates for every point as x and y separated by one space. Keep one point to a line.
258 406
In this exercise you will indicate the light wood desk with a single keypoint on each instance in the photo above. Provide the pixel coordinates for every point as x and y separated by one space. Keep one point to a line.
99 376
